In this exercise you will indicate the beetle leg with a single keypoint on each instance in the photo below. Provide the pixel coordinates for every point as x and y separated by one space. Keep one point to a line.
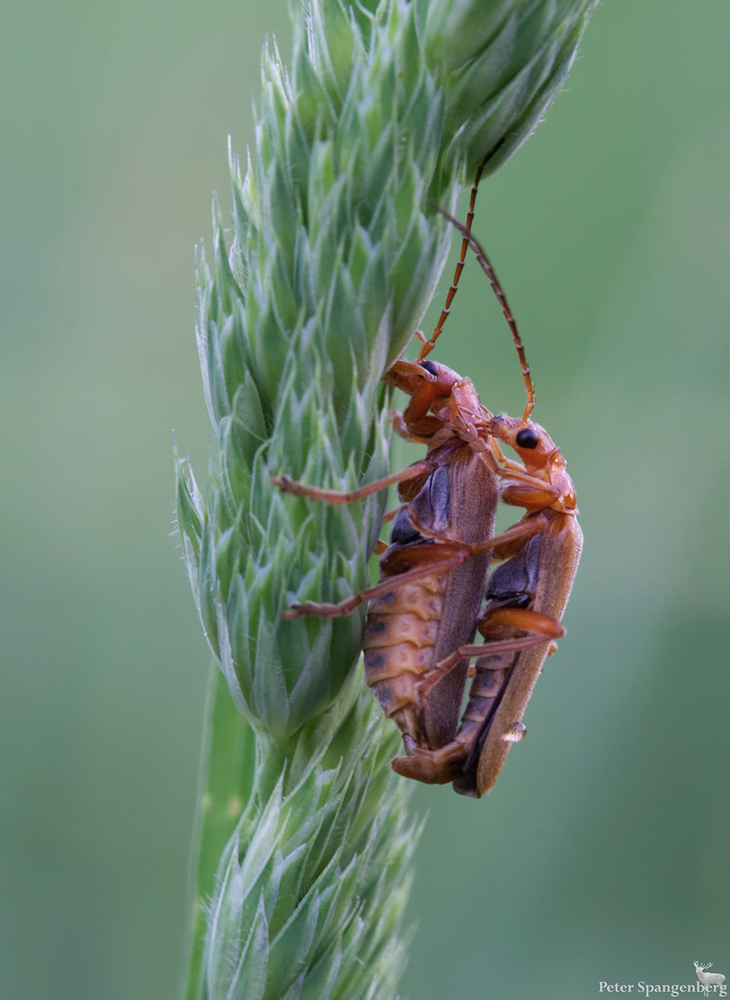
521 489
510 543
543 628
433 767
493 648
287 485
498 619
418 432
459 554
433 676
508 466
528 492
518 533
402 429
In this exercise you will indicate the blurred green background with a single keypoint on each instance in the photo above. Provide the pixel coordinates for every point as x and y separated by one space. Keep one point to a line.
603 853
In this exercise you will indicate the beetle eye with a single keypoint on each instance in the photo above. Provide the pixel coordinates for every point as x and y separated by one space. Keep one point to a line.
430 366
527 438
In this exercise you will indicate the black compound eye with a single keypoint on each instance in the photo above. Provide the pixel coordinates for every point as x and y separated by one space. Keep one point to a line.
430 366
527 438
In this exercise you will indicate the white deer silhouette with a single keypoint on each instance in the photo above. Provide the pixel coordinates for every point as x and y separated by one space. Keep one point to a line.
708 979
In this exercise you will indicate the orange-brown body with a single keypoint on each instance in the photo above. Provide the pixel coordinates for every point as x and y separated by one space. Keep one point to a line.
426 607
412 627
541 485
526 598
562 542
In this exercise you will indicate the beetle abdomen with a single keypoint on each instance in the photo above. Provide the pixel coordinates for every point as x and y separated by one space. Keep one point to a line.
400 634
489 678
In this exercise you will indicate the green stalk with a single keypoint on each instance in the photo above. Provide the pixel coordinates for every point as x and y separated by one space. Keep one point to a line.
303 838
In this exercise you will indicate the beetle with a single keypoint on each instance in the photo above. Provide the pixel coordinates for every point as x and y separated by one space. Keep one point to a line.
410 623
528 593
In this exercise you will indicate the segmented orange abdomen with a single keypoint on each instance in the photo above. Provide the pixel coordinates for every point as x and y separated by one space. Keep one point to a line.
399 640
490 674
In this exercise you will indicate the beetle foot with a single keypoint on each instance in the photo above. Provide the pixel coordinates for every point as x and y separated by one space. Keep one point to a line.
432 767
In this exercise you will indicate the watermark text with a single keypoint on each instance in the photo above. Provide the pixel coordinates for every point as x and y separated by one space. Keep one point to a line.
673 990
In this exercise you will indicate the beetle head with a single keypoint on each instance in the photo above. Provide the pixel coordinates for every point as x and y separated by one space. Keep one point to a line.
443 378
539 453
532 442
410 376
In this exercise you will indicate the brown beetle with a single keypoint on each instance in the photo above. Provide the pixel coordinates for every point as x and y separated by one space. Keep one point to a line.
433 572
525 600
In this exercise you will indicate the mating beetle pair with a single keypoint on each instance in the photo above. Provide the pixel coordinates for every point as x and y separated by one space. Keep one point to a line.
435 592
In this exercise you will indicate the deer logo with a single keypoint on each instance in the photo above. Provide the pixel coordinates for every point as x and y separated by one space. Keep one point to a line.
708 979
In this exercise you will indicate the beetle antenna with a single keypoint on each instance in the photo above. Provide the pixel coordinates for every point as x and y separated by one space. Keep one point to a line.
466 232
486 266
